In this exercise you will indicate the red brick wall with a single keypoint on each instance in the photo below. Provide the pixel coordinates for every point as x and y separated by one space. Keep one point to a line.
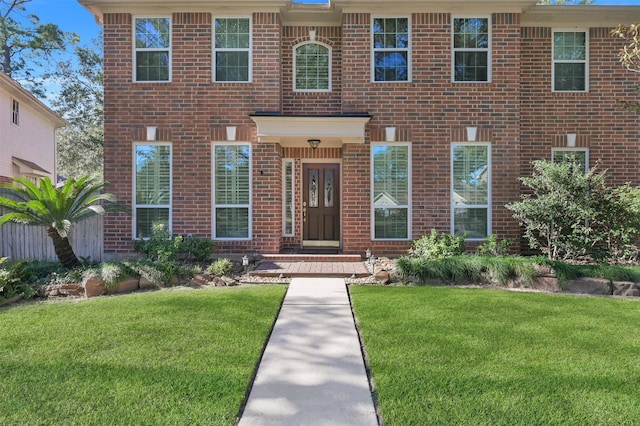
190 112
610 133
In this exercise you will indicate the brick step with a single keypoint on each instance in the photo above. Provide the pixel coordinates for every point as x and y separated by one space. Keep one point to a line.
312 257
333 269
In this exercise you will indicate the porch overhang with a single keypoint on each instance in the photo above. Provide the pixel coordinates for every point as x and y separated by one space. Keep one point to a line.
294 130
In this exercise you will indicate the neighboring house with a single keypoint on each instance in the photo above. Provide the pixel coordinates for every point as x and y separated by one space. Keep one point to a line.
270 125
27 134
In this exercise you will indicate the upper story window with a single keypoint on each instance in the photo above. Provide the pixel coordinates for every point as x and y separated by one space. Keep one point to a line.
152 59
391 55
15 112
570 61
232 49
471 46
312 65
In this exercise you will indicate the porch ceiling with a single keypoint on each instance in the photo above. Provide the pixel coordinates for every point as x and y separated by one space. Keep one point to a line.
295 130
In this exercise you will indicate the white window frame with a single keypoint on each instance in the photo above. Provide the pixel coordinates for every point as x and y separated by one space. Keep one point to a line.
408 49
136 49
488 206
295 67
134 180
15 112
488 50
564 61
573 149
215 206
249 50
286 161
409 191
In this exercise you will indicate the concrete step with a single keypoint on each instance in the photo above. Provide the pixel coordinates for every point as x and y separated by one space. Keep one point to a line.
285 269
286 257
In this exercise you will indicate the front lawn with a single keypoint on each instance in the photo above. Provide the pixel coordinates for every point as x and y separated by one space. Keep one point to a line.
168 357
446 356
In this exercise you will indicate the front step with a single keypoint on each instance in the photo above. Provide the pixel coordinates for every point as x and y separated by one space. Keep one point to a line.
309 265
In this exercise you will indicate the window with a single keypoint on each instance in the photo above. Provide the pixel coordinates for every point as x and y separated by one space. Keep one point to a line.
471 190
232 191
152 182
391 177
15 112
471 43
391 49
152 59
581 155
312 65
232 49
288 202
570 58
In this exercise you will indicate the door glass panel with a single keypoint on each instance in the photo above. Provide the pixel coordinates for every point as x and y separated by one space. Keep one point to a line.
328 188
313 188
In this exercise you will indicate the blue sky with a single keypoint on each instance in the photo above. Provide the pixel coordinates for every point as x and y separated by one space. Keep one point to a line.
71 16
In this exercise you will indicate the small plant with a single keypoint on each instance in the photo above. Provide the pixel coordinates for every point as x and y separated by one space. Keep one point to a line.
198 249
160 246
12 280
492 247
219 268
437 246
110 274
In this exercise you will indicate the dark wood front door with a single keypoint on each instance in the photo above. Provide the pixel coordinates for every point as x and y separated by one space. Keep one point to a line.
321 205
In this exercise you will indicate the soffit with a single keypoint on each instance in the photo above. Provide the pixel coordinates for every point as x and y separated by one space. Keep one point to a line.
580 16
294 131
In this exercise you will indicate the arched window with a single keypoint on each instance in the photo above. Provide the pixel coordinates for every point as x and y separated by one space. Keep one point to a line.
312 67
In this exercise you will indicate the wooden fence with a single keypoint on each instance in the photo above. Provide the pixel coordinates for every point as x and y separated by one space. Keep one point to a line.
32 242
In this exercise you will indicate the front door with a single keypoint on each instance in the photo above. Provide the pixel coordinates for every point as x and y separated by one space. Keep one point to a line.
321 205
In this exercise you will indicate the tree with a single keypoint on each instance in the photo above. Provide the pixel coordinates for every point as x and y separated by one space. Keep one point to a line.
27 46
80 101
629 56
57 209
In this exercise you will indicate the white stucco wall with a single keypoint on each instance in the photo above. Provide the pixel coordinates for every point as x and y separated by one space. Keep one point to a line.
34 138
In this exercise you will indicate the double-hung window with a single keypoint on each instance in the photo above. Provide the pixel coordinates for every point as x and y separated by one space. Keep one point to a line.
232 50
15 112
391 49
391 190
471 50
312 65
152 183
152 58
471 190
232 191
570 61
562 155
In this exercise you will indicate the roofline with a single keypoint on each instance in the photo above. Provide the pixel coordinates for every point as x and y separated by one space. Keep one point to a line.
586 16
18 92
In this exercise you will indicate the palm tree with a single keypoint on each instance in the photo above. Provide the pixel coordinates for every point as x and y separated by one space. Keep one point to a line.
57 209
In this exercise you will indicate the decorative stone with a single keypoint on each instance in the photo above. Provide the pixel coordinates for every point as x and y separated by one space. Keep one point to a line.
619 287
545 271
94 287
382 277
70 290
228 281
127 285
594 286
200 280
145 284
632 292
549 284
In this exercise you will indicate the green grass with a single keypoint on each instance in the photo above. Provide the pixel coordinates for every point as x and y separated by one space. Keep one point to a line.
442 356
172 357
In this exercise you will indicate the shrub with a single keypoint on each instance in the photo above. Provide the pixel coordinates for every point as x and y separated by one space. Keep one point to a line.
197 248
110 273
437 246
162 247
492 247
12 280
219 268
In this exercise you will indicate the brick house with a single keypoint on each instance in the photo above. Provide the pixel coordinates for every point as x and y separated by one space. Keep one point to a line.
27 134
275 126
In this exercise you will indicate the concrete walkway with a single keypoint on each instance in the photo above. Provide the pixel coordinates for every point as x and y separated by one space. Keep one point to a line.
312 371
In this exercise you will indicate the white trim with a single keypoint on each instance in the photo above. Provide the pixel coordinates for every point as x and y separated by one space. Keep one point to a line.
584 61
488 49
248 50
488 206
408 49
295 67
134 178
293 197
573 149
135 49
213 191
409 191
